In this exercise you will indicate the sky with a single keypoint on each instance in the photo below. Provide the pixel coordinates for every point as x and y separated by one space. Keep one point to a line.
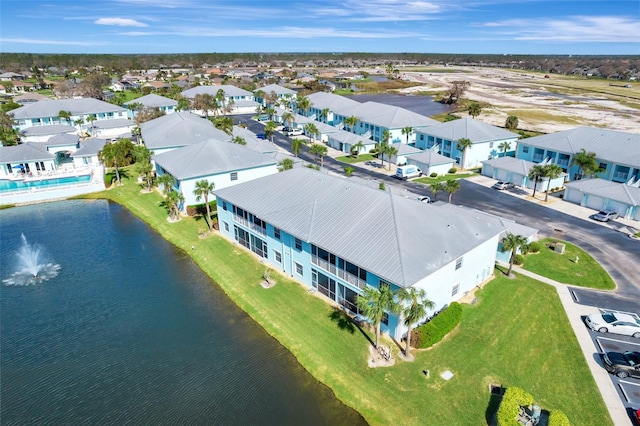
576 27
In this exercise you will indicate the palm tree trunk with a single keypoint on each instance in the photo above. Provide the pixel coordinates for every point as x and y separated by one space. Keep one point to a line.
450 195
406 350
535 184
511 259
377 334
117 174
206 203
546 196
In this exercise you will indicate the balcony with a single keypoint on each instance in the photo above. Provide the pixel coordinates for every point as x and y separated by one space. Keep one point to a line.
537 158
340 273
564 163
242 221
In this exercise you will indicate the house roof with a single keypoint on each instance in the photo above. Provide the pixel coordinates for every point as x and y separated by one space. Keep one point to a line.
153 101
511 164
28 151
404 149
63 139
253 143
81 106
431 158
608 189
89 147
48 129
114 123
210 157
322 100
277 89
474 130
608 145
350 138
212 90
395 238
179 129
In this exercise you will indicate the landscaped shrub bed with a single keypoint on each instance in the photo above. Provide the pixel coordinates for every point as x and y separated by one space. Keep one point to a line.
432 332
513 399
200 209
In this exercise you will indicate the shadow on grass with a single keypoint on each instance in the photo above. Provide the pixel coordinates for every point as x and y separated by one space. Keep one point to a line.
345 322
494 403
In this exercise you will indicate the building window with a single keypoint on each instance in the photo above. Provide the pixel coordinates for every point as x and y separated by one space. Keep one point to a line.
458 263
299 269
490 144
455 289
385 319
234 175
602 166
226 226
224 206
298 245
277 256
276 233
525 149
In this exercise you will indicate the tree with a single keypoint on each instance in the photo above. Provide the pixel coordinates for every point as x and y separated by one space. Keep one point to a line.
463 145
285 164
270 112
319 151
551 171
474 109
324 114
407 131
586 162
504 147
303 103
78 123
183 104
390 151
202 190
91 118
287 119
357 148
351 122
435 188
451 186
145 170
173 201
348 170
65 115
8 134
536 172
456 91
512 242
239 140
270 130
511 123
167 181
311 130
116 155
382 186
296 145
415 309
224 123
141 154
205 103
374 302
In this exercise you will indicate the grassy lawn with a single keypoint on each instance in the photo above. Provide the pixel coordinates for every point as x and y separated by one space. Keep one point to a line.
516 335
563 267
449 176
352 160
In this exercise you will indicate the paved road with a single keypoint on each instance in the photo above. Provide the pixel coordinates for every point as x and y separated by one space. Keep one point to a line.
618 254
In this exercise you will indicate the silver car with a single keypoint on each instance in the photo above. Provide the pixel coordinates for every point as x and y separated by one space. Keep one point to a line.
605 216
503 185
614 322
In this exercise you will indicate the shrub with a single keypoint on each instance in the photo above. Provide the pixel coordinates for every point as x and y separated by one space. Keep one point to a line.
434 174
534 247
201 210
558 418
453 170
518 259
432 332
513 399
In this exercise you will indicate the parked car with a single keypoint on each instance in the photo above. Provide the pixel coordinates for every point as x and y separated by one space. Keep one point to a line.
625 364
605 216
614 322
407 172
263 118
261 136
424 199
503 185
292 131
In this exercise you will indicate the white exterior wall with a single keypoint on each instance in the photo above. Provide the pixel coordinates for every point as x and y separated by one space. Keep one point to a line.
40 121
49 165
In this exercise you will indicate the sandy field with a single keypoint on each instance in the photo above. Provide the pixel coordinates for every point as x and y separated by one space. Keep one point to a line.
543 104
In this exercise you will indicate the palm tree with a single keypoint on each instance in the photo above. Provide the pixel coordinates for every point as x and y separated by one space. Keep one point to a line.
357 148
463 145
351 122
296 144
511 123
173 201
324 114
435 188
303 103
407 131
287 119
451 186
390 151
145 170
167 181
65 115
504 147
270 130
312 130
415 310
202 190
474 109
79 122
116 155
551 171
319 151
512 243
348 170
536 172
270 112
91 118
374 302
285 164
586 162
239 140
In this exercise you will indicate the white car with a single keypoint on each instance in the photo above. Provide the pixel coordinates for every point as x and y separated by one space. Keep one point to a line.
614 322
605 216
503 185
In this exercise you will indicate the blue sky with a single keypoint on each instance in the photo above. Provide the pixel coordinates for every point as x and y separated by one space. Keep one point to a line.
437 26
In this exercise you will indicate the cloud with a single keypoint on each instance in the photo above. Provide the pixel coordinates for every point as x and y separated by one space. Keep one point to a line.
54 42
383 10
121 22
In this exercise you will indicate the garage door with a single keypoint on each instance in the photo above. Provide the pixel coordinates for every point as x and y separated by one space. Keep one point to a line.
573 196
502 175
487 170
636 214
617 207
593 202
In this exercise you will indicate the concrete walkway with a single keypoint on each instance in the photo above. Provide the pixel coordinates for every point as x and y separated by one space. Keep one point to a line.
575 312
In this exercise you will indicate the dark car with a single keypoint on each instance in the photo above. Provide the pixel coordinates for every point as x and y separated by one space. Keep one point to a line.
625 364
261 136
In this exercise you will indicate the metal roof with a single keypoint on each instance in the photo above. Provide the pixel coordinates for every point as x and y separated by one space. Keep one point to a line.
228 90
608 145
474 130
153 101
608 189
113 123
28 151
63 139
81 106
431 158
48 129
511 164
89 147
179 129
404 149
388 234
277 89
210 157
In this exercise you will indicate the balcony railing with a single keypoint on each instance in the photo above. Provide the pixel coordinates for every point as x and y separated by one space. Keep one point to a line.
563 163
537 158
340 273
241 220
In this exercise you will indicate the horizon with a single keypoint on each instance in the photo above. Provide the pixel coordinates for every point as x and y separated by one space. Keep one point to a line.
166 27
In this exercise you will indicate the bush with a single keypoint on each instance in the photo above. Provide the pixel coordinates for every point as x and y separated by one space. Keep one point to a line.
434 174
534 247
513 399
442 324
453 170
558 418
518 259
201 210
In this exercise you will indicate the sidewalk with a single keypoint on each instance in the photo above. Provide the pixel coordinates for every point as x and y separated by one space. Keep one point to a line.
575 312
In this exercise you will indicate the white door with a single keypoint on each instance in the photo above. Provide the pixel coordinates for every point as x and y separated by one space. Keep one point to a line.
502 175
618 207
573 196
596 203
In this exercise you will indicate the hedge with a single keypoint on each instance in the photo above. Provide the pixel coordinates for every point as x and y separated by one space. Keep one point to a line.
442 324
558 418
201 210
513 399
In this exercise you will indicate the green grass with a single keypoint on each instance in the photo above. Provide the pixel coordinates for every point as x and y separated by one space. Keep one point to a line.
449 176
353 160
516 335
563 267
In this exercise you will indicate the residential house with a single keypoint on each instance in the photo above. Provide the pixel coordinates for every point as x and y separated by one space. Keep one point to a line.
485 139
24 159
601 194
87 152
430 162
301 222
509 169
44 133
151 101
238 100
283 94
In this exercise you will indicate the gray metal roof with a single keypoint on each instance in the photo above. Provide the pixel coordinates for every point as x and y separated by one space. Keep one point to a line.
49 129
113 123
210 157
322 100
63 139
349 138
89 147
431 158
404 149
179 129
277 89
28 151
52 108
609 145
474 130
608 189
511 164
153 101
212 90
392 236
253 143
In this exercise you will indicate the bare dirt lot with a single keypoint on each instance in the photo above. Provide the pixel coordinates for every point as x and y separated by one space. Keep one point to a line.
543 103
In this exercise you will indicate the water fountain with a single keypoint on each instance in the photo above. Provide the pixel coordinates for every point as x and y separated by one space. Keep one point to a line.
32 266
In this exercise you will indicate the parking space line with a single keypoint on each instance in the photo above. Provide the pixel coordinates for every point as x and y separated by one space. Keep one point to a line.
623 392
629 383
601 350
633 314
575 297
619 341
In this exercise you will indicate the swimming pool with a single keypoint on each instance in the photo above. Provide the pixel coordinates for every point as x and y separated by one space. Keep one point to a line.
20 185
